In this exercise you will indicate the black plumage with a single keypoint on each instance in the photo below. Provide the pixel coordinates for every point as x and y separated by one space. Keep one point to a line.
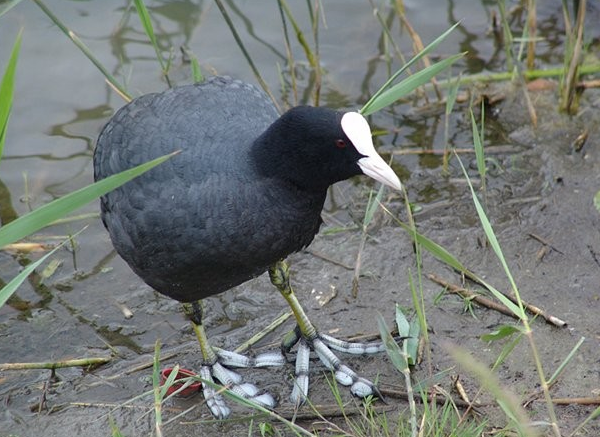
241 195
246 190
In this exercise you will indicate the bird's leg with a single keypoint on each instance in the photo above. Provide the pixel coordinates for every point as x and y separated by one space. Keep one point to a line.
307 337
214 362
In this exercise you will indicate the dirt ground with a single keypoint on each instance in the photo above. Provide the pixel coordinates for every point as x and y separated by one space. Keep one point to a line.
539 186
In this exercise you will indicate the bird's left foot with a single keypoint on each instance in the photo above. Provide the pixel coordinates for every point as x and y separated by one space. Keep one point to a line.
233 381
322 345
215 366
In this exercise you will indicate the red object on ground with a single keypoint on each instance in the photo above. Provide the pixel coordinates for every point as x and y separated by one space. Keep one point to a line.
182 373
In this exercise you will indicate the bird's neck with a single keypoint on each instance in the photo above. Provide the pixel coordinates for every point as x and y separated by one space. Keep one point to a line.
274 156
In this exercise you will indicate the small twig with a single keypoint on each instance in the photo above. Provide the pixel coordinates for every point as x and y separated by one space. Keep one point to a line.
576 401
594 83
114 406
467 294
267 330
398 394
493 304
539 312
29 247
328 259
329 411
81 362
544 242
460 389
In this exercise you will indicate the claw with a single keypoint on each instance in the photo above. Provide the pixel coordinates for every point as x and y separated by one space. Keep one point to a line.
233 381
267 359
214 400
352 348
300 390
359 386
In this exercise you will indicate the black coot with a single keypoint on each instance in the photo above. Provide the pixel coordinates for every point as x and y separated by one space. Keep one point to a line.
246 190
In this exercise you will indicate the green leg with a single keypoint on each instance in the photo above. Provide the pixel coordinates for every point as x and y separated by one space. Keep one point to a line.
309 339
194 312
214 366
280 278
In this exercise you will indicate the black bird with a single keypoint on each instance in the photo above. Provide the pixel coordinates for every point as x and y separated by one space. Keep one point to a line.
246 191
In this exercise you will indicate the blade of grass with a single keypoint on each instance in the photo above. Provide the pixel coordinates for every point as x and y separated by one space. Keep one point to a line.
310 56
507 400
450 102
508 36
86 51
159 391
566 361
242 47
446 257
366 109
149 29
431 246
478 145
16 282
369 213
7 6
408 85
7 88
491 236
593 415
39 218
400 360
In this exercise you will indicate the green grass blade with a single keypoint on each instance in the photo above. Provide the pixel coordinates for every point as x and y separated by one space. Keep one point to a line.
491 236
242 47
597 201
6 90
149 29
509 403
310 56
402 323
566 361
431 246
501 332
452 94
146 22
372 206
86 51
196 70
16 282
7 6
478 145
366 108
446 257
158 395
114 429
408 85
391 347
411 344
35 220
593 415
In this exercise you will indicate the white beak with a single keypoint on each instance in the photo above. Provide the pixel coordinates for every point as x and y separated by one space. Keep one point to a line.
357 129
375 167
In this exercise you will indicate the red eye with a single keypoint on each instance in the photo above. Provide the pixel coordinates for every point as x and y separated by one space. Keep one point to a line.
340 144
